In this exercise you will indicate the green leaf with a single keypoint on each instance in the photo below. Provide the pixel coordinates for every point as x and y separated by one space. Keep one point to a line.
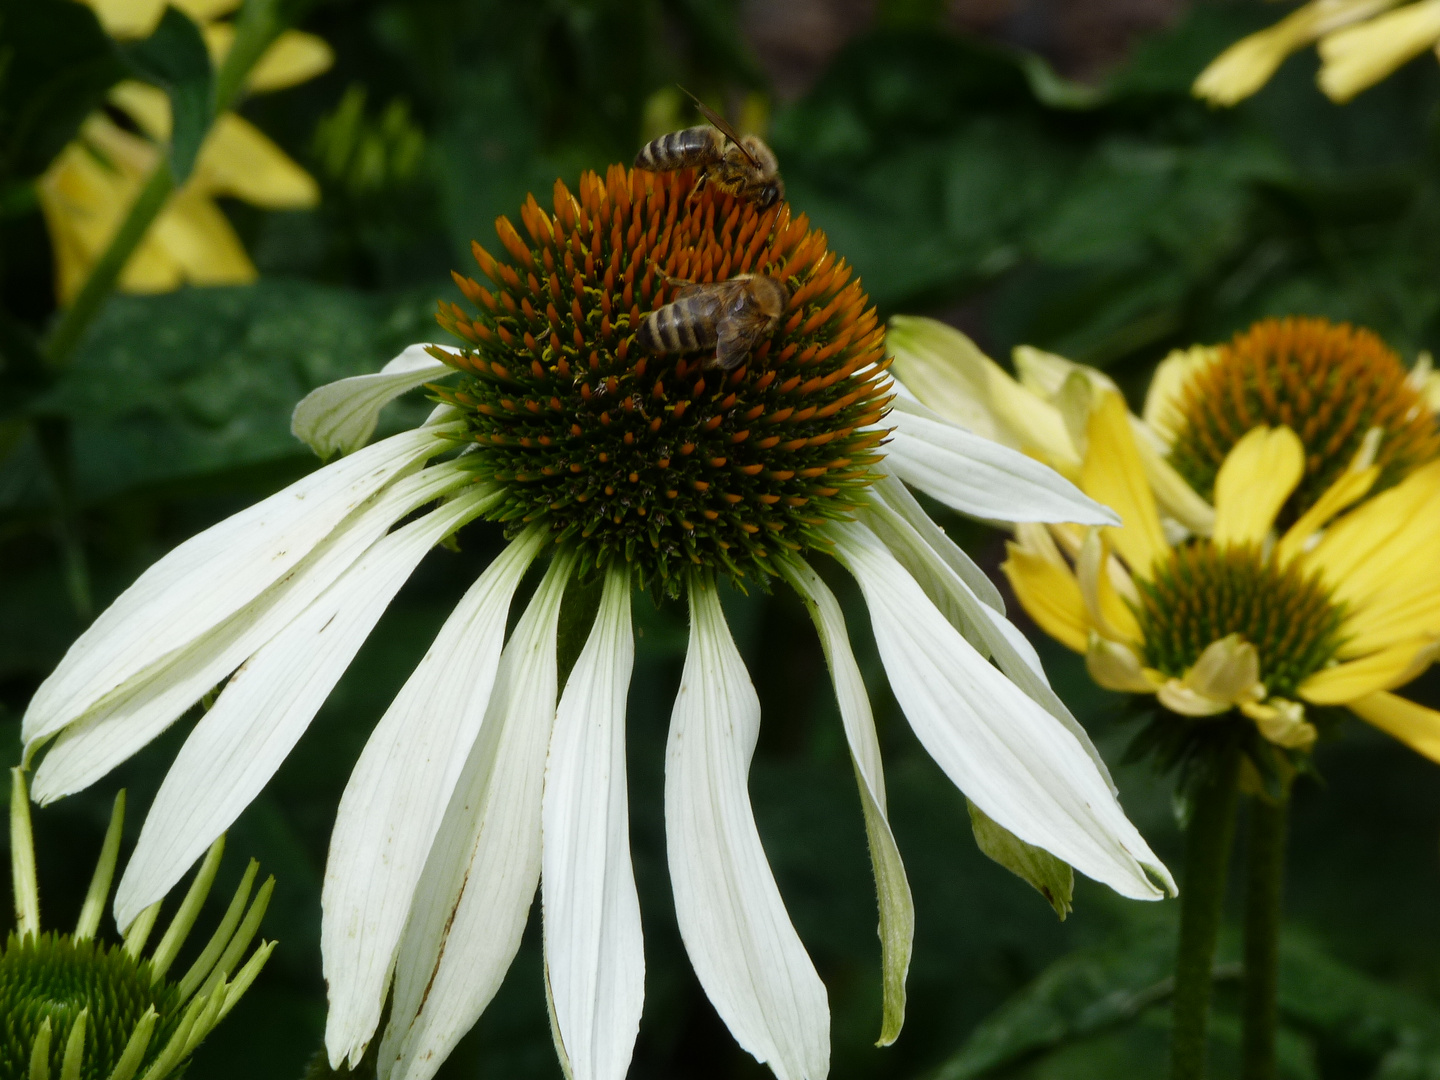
55 65
202 381
1049 876
175 59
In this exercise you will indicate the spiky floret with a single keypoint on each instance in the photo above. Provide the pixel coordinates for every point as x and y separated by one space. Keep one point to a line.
73 1009
660 461
54 976
1329 383
1203 593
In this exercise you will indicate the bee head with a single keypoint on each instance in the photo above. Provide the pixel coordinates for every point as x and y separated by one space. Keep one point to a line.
769 193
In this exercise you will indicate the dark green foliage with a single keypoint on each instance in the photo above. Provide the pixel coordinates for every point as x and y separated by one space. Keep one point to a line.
175 59
54 976
55 64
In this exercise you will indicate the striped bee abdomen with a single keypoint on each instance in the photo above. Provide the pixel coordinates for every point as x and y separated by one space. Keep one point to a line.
680 149
685 325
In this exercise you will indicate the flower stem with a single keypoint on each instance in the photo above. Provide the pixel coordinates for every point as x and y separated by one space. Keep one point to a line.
1265 878
1207 854
70 330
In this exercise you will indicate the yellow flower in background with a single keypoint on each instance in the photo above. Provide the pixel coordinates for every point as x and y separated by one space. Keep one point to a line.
1302 570
1360 43
89 188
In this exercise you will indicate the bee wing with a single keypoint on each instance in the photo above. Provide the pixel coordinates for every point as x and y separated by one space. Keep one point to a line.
724 126
739 329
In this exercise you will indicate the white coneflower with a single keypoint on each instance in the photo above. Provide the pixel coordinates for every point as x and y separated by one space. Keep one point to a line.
483 779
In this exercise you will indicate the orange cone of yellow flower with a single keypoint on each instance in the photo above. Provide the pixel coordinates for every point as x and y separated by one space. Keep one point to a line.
89 188
1315 580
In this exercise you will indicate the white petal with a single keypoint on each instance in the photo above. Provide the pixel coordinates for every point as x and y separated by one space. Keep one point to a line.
340 417
267 705
745 952
122 724
210 577
480 877
982 478
893 490
1012 758
897 908
397 794
594 954
993 635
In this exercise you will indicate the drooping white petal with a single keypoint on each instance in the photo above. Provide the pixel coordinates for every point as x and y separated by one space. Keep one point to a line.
211 576
741 943
594 954
340 417
897 908
988 631
979 477
1013 759
126 721
480 877
894 492
267 705
397 794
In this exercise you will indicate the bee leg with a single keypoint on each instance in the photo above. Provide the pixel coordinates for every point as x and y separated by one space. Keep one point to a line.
699 183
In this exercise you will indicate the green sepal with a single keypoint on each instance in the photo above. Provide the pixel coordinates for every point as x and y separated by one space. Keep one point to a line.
1049 876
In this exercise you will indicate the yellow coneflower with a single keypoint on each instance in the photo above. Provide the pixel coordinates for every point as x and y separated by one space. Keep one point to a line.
1313 581
1360 43
88 189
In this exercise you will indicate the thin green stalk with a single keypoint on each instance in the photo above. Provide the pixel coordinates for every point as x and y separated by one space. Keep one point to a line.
1202 896
52 434
70 330
1265 876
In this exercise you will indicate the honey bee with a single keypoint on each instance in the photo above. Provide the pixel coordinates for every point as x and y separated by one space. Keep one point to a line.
738 165
732 317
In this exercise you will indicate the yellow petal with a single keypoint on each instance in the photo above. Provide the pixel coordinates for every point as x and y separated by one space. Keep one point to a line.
1247 65
1414 725
948 372
1360 56
1044 373
151 268
1227 670
1350 488
1116 667
294 58
1383 670
1226 674
128 18
1282 723
1113 473
1049 595
204 11
1162 400
84 192
1108 613
1257 476
147 105
1172 492
1408 608
196 235
1383 542
1185 700
238 160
